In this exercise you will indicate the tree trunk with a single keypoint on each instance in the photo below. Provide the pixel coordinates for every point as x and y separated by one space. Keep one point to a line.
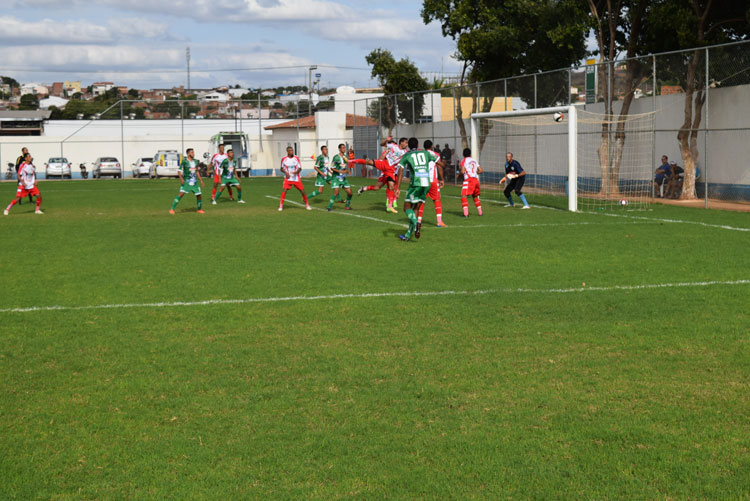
459 113
633 77
687 137
604 145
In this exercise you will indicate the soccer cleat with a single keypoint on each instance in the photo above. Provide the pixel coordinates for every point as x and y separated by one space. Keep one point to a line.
201 211
240 201
418 231
308 208
38 212
526 207
171 211
360 190
392 210
348 207
509 205
281 209
213 202
329 209
5 212
231 199
403 238
395 204
440 225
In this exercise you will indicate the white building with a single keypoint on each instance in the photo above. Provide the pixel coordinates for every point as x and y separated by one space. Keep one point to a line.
99 88
35 89
237 93
347 99
214 96
297 97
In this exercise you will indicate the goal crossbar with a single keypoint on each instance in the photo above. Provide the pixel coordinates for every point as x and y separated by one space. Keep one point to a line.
571 117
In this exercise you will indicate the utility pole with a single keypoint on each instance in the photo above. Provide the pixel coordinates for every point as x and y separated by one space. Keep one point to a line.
187 58
309 88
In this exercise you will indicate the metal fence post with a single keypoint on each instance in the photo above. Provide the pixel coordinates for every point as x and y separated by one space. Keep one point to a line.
570 86
413 111
182 127
505 85
122 140
455 140
432 114
653 133
705 140
241 129
260 121
535 105
299 146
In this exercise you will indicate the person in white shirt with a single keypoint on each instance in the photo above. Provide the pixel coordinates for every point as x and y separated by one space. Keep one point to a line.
26 185
292 167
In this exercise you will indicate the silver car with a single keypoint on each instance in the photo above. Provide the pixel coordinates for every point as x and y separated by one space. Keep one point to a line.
57 166
107 166
142 167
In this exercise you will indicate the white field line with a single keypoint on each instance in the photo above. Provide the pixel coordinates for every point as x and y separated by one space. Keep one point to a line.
536 225
344 213
210 302
677 221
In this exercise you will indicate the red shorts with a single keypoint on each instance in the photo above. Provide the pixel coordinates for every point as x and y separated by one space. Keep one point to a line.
470 187
217 178
434 192
387 169
385 178
23 192
293 184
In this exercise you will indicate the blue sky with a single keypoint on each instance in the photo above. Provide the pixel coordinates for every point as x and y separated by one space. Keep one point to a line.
130 41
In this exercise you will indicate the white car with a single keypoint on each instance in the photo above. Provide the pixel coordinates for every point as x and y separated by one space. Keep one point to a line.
166 164
57 166
142 167
107 166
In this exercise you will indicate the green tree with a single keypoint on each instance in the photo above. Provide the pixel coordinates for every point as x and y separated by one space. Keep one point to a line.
134 94
496 39
29 102
402 84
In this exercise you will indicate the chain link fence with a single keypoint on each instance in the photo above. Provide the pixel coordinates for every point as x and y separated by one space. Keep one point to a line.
699 98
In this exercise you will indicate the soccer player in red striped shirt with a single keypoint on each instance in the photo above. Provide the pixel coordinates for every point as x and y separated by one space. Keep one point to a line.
292 167
388 164
470 169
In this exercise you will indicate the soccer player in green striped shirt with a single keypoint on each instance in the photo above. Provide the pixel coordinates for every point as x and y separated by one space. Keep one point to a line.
418 164
322 164
339 171
189 177
229 177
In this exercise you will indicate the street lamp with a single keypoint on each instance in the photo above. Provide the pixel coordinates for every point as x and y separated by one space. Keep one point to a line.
309 88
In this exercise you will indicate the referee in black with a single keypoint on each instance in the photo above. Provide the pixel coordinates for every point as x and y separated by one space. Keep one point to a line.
19 162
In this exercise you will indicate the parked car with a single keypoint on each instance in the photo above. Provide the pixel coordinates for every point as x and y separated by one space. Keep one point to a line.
107 166
142 167
166 164
57 166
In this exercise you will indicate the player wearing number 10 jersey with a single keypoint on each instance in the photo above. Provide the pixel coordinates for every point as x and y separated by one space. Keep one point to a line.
470 169
417 162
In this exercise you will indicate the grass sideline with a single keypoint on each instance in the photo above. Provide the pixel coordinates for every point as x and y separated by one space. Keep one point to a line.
594 393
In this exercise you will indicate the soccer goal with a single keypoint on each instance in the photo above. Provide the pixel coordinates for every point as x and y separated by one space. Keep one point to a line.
573 159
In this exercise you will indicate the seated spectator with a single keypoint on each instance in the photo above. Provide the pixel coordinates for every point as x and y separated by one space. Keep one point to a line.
662 173
674 181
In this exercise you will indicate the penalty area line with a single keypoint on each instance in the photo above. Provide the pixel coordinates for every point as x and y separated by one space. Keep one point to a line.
211 302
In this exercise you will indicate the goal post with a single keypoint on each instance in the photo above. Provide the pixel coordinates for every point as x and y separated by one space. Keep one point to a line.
570 118
585 161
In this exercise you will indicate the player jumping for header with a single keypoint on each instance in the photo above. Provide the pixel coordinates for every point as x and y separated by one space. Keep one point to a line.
339 171
216 161
515 177
189 177
229 177
470 169
417 162
292 167
26 185
388 165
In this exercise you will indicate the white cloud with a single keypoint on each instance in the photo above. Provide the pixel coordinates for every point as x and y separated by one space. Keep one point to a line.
16 31
92 57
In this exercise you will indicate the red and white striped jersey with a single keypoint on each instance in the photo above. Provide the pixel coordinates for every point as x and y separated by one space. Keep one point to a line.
27 175
291 166
471 167
433 165
393 154
216 162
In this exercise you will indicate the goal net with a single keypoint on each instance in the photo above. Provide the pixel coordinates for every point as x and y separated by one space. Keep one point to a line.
602 164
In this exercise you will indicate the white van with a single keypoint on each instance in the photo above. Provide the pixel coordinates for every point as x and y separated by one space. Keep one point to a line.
166 164
236 141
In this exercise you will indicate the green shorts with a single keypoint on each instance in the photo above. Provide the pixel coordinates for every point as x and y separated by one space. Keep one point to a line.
339 183
320 180
229 181
417 194
188 188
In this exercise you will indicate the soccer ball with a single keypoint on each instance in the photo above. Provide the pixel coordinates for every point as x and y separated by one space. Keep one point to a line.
557 117
623 202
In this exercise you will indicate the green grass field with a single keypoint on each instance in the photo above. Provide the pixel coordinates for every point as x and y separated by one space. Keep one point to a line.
331 360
